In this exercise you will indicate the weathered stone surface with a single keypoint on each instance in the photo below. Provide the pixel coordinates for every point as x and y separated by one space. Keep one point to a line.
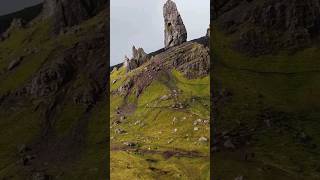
175 32
67 13
138 58
50 78
208 32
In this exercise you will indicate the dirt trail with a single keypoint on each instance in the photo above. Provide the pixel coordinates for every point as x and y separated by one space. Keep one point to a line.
166 154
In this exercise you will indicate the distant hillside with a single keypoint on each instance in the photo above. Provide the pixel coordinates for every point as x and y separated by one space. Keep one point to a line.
53 108
266 90
27 14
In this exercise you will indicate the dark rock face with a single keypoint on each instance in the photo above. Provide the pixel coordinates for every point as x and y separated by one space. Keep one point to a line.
71 12
49 79
191 58
271 25
138 58
175 32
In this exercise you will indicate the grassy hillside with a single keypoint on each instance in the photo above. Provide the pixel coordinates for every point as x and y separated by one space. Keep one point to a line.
164 141
36 131
268 108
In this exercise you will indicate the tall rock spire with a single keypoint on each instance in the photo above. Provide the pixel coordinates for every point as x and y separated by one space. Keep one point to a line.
175 32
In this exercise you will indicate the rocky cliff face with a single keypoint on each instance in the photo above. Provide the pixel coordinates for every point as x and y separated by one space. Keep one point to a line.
71 12
175 32
270 25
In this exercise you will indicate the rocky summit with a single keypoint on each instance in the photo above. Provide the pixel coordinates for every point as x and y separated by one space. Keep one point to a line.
175 32
68 13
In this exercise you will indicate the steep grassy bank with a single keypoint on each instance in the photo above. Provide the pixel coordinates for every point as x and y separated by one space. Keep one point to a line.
152 140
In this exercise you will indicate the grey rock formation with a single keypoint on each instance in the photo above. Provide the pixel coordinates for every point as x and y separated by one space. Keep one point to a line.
139 57
175 32
49 79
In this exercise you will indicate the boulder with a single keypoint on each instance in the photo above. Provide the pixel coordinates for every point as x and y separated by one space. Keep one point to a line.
175 32
203 139
49 79
13 64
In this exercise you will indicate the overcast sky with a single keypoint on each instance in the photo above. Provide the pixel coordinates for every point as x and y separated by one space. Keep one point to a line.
140 23
8 6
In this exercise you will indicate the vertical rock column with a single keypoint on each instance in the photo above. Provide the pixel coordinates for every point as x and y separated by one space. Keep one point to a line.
175 32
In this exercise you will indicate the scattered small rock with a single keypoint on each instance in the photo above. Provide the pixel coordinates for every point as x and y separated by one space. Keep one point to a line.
130 144
137 122
120 131
164 97
203 139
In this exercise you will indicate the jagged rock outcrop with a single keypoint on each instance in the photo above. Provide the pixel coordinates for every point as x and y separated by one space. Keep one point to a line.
50 79
16 23
139 57
175 32
268 26
67 13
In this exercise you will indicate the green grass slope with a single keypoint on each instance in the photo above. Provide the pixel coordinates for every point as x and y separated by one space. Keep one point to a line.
22 118
166 146
272 111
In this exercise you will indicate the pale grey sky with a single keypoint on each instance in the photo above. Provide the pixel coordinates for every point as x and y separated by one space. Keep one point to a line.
8 6
140 23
